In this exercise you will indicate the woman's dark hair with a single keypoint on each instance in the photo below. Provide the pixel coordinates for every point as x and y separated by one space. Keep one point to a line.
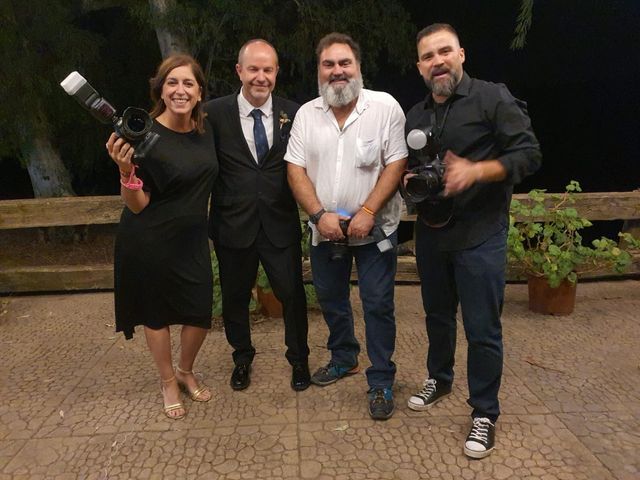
157 82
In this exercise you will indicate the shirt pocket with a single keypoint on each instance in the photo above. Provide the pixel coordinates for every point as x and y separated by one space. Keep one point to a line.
367 152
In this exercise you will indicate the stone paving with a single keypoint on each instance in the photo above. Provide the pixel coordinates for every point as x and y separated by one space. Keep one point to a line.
78 401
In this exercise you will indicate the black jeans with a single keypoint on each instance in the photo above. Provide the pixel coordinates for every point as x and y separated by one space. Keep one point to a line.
475 278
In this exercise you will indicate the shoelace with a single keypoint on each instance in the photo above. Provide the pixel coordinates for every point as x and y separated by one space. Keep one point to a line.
479 430
330 366
428 389
379 397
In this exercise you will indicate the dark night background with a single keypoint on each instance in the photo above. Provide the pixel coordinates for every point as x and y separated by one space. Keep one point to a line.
578 72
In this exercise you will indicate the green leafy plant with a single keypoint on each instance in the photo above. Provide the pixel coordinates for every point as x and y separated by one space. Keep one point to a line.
262 280
545 240
216 311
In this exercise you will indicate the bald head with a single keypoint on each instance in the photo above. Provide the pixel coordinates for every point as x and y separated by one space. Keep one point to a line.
256 41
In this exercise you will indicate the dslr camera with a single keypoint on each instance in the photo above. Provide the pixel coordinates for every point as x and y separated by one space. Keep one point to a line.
340 248
425 189
134 125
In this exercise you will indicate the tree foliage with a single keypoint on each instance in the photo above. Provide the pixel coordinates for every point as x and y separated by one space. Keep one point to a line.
39 45
523 24
215 31
114 46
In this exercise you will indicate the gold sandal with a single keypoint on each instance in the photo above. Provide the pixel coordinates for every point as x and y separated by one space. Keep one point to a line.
200 394
169 409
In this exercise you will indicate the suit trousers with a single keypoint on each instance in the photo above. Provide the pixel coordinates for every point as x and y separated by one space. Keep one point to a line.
283 266
474 277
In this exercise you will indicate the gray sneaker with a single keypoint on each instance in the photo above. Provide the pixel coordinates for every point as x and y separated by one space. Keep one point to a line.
381 404
332 373
430 394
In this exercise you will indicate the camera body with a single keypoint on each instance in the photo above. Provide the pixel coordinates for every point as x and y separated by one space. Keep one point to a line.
425 188
134 125
340 248
427 182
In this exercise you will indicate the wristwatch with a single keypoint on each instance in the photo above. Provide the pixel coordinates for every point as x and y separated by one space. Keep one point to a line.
315 218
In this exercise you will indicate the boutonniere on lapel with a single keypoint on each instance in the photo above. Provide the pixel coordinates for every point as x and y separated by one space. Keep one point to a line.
285 126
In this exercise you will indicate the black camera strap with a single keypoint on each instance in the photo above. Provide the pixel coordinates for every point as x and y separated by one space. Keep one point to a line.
435 128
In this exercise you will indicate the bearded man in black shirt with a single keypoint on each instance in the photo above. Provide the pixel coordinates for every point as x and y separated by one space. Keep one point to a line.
488 146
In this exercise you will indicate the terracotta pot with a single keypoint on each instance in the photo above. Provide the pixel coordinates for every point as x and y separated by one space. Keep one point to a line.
551 301
270 306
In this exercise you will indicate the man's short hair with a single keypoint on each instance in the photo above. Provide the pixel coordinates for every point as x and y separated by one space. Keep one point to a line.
252 41
335 37
436 27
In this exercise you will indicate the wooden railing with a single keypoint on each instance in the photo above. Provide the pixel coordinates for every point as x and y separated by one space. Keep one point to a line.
70 211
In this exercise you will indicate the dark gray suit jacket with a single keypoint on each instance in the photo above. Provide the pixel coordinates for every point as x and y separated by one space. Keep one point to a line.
247 195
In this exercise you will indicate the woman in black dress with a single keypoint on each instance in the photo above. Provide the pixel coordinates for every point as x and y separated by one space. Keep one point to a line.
162 262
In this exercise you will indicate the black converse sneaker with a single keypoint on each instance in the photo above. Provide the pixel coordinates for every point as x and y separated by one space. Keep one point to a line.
481 438
428 395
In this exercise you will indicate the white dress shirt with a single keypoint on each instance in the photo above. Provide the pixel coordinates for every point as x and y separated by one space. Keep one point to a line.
246 120
344 165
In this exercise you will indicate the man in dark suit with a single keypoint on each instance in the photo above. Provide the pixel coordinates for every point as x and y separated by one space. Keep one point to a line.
253 214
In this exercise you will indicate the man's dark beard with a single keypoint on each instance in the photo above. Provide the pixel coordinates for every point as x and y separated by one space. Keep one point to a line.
444 88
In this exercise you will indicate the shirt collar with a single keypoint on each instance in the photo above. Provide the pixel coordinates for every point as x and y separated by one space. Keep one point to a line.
246 108
462 90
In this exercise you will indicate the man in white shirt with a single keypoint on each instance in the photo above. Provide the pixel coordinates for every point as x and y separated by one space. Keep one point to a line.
346 155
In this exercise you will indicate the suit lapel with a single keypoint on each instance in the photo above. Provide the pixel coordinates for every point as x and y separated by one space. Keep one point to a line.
276 122
236 126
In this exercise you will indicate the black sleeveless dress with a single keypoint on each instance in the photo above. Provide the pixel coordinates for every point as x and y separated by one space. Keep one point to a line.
162 272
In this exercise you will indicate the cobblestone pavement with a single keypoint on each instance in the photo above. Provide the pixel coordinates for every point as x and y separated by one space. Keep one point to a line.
78 401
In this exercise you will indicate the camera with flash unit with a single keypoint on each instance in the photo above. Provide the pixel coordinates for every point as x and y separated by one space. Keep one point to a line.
425 187
134 125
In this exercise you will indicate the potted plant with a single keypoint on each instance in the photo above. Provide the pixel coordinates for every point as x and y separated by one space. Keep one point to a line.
545 244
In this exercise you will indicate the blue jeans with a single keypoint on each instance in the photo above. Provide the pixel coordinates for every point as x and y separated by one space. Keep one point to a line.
376 277
475 278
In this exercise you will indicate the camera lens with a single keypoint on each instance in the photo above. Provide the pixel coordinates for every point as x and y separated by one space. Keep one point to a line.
423 185
136 124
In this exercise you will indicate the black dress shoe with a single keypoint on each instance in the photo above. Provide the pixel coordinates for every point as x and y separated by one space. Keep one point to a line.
300 377
240 377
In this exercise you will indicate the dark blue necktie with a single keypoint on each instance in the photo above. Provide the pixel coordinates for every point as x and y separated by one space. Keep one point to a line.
259 135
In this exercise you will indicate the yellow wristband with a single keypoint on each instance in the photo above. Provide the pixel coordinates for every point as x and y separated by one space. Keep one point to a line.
370 212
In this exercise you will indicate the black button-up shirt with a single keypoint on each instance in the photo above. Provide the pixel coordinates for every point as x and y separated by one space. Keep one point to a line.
480 121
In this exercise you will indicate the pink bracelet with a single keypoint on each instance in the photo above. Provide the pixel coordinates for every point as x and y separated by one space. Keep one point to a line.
130 184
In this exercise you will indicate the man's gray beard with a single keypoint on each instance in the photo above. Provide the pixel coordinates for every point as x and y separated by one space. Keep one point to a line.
446 88
341 96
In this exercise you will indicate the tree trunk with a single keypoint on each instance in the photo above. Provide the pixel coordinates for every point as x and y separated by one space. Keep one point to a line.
170 43
49 176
